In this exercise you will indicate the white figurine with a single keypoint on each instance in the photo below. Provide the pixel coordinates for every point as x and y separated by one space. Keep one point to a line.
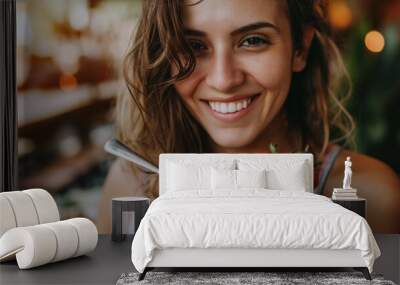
347 174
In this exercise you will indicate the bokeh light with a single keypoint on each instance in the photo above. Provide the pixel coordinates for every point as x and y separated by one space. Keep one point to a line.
340 15
374 41
67 82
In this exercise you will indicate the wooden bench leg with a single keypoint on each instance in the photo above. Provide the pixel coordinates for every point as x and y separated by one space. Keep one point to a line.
364 271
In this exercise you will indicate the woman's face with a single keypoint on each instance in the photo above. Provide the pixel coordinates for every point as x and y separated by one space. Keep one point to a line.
244 62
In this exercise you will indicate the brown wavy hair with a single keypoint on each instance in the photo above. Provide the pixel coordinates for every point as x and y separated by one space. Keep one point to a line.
151 118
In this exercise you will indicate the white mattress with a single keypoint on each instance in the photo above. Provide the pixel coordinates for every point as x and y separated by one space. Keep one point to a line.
252 218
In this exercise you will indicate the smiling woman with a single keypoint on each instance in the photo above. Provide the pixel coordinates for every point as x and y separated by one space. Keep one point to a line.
245 64
237 76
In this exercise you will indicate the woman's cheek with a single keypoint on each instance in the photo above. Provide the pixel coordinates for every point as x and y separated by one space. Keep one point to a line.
187 87
272 72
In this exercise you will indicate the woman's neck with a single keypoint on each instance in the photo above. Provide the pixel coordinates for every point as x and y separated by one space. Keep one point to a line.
276 133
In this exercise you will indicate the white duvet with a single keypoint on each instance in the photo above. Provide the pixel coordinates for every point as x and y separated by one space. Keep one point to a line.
251 218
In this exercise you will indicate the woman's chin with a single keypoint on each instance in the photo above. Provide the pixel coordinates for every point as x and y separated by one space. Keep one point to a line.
231 141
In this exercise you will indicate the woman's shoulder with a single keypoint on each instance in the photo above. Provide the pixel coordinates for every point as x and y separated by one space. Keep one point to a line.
377 183
122 176
368 172
373 170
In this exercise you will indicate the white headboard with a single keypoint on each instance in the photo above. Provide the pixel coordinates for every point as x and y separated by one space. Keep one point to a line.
211 157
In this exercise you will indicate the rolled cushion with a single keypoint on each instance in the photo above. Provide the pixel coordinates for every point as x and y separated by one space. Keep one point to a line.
23 208
66 238
40 244
87 235
7 218
33 246
46 207
26 208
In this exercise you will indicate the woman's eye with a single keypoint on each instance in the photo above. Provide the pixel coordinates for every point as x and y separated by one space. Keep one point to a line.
197 46
254 41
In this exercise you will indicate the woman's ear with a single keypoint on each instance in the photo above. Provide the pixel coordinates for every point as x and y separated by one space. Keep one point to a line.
301 55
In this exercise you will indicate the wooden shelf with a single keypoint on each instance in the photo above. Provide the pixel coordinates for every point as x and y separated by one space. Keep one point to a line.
59 118
83 114
58 175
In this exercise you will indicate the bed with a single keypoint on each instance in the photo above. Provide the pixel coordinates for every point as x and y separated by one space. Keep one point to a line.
245 211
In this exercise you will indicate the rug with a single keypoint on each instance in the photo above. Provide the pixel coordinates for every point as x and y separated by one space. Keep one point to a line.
243 278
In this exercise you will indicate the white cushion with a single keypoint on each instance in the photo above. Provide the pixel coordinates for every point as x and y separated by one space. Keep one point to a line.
7 218
251 178
247 161
67 239
223 179
290 179
87 233
23 208
182 178
46 207
235 179
32 246
26 208
185 175
281 175
40 244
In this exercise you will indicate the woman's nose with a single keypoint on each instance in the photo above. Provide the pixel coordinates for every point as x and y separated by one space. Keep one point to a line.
223 73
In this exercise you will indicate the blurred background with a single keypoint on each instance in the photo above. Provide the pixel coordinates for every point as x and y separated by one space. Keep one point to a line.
69 72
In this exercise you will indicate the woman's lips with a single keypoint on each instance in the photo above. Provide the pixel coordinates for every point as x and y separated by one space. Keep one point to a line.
232 117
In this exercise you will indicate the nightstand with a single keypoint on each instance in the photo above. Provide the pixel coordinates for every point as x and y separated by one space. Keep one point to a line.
358 206
127 213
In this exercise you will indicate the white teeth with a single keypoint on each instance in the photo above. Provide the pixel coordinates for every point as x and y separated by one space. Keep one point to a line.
230 107
217 106
223 107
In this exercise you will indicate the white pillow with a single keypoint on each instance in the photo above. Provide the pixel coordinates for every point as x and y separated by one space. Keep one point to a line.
223 179
281 175
291 179
251 178
186 174
236 179
181 178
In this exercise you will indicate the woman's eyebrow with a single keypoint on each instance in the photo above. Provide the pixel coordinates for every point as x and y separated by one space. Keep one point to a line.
255 26
241 30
